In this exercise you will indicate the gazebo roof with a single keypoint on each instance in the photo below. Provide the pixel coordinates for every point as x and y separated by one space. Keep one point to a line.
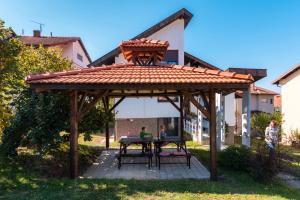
134 74
145 72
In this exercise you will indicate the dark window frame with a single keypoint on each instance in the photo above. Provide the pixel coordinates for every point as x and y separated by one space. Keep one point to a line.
79 57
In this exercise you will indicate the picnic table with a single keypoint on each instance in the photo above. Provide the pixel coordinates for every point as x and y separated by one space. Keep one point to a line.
127 141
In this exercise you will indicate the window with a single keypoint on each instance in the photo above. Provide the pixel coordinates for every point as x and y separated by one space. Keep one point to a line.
264 100
171 57
271 101
79 57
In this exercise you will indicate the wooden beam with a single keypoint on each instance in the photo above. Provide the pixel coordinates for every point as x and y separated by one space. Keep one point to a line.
116 104
81 102
206 103
213 136
172 102
181 118
74 135
89 106
198 105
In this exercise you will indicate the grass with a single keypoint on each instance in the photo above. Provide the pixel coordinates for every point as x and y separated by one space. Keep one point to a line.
17 181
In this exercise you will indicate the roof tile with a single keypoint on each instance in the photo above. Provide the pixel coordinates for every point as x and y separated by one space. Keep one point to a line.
129 73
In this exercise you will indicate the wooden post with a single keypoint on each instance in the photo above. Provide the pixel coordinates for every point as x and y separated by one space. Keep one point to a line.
107 124
246 117
74 135
213 136
181 118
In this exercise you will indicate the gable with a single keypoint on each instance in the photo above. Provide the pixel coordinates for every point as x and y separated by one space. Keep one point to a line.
173 33
182 14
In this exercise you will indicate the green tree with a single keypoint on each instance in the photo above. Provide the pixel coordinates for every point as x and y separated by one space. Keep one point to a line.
259 121
36 119
10 48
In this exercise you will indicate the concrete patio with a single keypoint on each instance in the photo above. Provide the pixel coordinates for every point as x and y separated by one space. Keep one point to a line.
106 167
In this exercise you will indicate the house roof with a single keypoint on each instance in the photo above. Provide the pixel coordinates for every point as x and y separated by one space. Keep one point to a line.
132 74
52 41
260 90
197 62
256 73
181 14
285 75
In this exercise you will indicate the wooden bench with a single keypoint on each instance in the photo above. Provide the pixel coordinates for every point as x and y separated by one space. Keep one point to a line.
173 154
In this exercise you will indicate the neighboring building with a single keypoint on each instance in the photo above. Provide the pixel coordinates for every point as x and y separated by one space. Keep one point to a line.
290 95
72 47
262 99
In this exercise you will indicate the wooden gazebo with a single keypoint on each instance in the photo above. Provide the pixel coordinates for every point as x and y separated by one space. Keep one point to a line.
142 76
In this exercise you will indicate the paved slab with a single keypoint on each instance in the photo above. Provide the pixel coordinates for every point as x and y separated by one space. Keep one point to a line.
107 167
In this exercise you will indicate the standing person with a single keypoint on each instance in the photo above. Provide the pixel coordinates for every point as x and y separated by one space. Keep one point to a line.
271 135
271 138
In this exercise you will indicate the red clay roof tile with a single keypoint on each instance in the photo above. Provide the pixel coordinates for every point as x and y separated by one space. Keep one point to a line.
129 73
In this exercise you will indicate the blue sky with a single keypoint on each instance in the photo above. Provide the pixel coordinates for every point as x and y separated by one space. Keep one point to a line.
231 33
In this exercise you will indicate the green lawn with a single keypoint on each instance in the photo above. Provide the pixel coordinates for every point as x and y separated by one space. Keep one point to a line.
18 181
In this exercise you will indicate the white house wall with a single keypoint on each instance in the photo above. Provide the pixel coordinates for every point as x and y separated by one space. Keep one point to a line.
262 103
78 49
174 34
145 108
70 51
290 91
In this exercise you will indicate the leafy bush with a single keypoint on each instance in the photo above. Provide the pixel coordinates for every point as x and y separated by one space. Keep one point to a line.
259 122
263 165
40 119
235 158
55 163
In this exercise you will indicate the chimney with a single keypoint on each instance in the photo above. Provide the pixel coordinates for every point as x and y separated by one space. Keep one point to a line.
36 33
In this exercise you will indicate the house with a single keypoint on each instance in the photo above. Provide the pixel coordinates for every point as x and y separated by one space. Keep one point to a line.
72 47
262 99
133 113
289 83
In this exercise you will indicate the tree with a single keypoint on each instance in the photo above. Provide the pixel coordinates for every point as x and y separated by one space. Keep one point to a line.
10 48
36 119
259 121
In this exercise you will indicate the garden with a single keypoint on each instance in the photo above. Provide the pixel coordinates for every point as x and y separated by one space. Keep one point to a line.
34 146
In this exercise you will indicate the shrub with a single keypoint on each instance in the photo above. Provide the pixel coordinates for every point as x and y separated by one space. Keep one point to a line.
235 158
263 166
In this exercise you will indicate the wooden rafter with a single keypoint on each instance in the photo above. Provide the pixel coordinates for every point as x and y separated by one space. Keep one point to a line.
172 102
197 105
206 103
116 104
90 105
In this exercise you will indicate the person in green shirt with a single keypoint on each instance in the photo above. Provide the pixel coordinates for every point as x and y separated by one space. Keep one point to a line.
144 134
